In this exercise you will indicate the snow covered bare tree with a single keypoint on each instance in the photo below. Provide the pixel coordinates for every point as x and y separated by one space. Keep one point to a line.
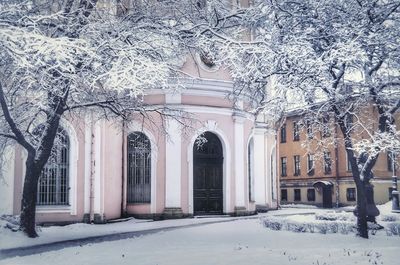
336 58
59 57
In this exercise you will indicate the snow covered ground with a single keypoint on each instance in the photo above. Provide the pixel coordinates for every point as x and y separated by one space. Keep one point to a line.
9 239
243 241
239 241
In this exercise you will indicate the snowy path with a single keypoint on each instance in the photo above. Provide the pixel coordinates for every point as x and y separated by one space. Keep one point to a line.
241 242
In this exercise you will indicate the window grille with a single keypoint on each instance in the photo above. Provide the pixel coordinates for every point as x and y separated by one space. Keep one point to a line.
310 195
351 194
139 168
297 195
310 133
53 186
326 131
296 131
296 159
283 166
283 133
310 164
327 163
284 195
348 162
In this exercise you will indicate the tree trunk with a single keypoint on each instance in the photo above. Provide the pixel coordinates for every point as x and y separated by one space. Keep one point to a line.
28 207
362 225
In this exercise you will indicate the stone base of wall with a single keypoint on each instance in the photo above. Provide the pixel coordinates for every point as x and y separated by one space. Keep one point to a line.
173 213
262 208
242 211
98 218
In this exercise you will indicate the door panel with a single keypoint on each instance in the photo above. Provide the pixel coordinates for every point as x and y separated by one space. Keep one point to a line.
327 197
207 177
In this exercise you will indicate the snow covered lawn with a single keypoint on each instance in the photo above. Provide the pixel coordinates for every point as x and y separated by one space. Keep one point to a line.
243 241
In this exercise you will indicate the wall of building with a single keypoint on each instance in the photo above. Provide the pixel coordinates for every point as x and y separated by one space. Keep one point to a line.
340 176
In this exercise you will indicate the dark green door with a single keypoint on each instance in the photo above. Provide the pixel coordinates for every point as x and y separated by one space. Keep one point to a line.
208 176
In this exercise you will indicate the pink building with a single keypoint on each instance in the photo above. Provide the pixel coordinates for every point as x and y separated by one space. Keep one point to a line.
108 170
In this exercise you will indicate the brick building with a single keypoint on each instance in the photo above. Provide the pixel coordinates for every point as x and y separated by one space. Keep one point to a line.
324 179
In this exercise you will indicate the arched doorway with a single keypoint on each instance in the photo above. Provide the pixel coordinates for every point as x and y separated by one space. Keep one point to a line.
326 188
208 176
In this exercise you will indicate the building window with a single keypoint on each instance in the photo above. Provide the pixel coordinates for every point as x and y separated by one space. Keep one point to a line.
327 163
297 195
53 186
351 194
310 164
391 167
296 131
283 166
296 159
284 195
139 168
283 133
348 162
311 195
349 121
250 155
326 131
310 133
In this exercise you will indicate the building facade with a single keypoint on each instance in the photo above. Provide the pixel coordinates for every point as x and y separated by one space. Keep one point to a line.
323 179
104 170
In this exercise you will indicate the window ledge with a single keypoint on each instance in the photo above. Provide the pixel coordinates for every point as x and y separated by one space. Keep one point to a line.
53 209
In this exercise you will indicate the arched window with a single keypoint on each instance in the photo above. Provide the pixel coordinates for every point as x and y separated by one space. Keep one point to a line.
139 168
53 186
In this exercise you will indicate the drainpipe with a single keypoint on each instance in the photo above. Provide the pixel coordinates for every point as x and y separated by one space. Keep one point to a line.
275 173
92 168
123 207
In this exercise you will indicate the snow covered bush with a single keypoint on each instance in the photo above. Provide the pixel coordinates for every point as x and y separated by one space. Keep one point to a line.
9 222
297 227
308 226
390 218
273 224
393 229
333 216
330 223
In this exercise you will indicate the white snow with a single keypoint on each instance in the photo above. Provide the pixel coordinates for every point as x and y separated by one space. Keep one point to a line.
299 206
243 241
51 234
9 239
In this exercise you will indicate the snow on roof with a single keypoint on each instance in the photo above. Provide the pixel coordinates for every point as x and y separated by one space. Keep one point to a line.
324 182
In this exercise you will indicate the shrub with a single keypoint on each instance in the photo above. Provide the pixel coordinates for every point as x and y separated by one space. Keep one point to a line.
297 227
389 218
273 224
333 216
393 229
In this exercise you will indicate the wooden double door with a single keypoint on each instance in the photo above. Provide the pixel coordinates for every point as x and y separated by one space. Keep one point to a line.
208 176
327 196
